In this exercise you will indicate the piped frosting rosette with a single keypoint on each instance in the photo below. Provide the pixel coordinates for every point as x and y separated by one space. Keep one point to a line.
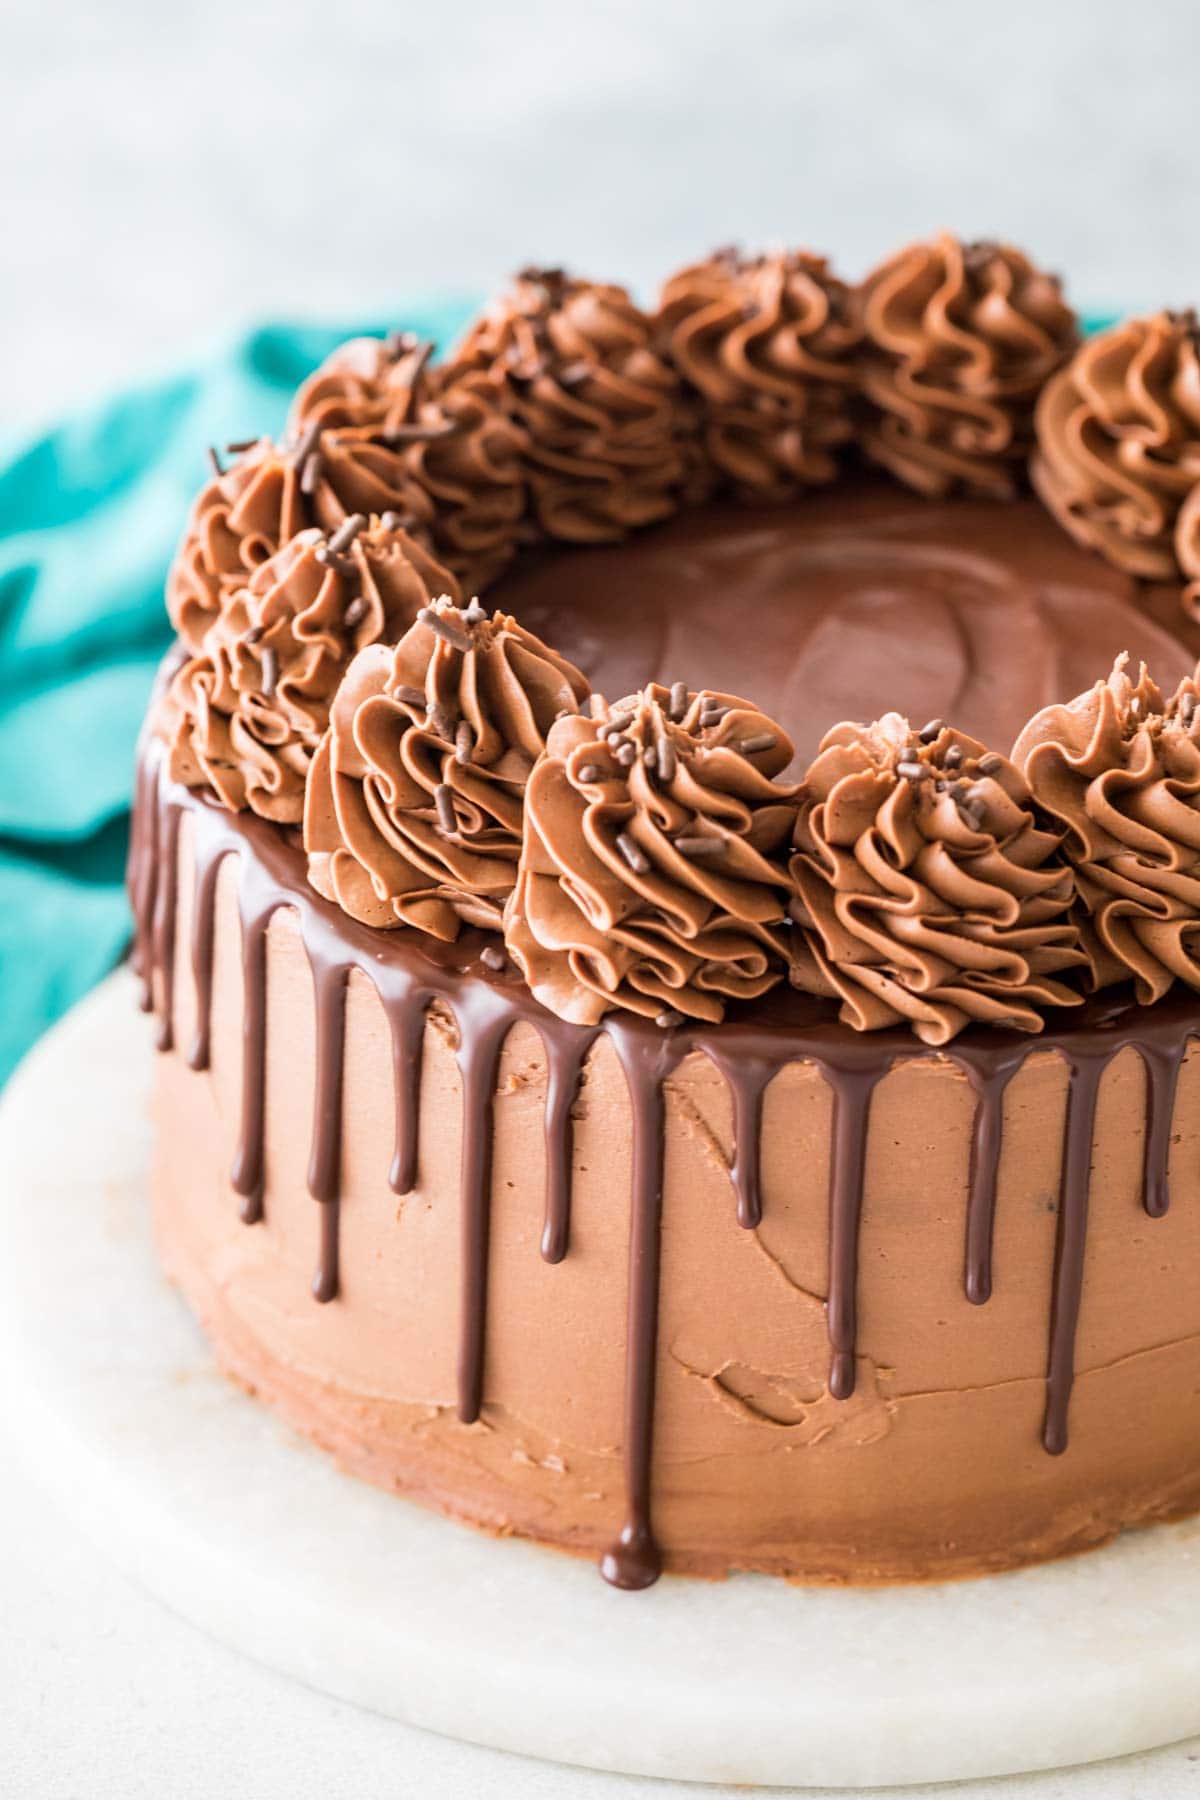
597 403
652 872
1118 441
934 894
386 427
960 339
1119 769
237 523
416 795
243 715
765 346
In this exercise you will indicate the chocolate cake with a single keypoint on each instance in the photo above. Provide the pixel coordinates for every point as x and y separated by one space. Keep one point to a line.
667 863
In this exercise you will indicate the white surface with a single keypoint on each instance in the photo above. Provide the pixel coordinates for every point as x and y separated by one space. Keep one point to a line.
171 170
215 1506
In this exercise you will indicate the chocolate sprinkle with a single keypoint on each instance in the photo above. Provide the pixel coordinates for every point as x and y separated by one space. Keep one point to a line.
443 800
355 612
626 754
464 742
928 732
310 474
493 957
215 460
913 771
240 446
637 859
669 1017
762 740
589 773
255 634
679 701
699 849
346 532
445 628
667 758
410 696
270 673
307 442
441 721
991 764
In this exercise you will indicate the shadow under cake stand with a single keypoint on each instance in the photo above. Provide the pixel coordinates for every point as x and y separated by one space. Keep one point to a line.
214 1505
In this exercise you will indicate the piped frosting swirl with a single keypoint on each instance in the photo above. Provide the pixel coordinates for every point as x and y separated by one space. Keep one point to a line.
245 712
1118 441
652 873
237 522
959 341
416 795
766 346
598 405
1119 768
386 428
934 894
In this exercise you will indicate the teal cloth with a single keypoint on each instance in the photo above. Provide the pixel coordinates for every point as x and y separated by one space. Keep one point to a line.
90 513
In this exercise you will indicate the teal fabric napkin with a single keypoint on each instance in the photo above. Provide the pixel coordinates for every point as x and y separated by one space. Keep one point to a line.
90 513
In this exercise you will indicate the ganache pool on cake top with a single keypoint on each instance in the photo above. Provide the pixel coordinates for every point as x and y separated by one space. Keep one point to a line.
677 1074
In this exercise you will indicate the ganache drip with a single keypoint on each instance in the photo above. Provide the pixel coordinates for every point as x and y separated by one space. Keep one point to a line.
485 1004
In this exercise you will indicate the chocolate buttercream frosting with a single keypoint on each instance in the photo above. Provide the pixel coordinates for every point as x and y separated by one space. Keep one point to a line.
935 894
1119 768
238 521
597 402
389 429
415 798
765 346
1118 441
960 339
243 715
1187 550
652 873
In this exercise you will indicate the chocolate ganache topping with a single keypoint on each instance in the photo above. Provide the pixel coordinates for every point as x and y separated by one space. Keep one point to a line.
415 798
960 339
387 428
1118 441
238 521
933 891
245 712
652 873
766 346
1120 768
599 406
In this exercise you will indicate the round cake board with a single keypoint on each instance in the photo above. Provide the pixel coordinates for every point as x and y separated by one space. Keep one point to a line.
210 1502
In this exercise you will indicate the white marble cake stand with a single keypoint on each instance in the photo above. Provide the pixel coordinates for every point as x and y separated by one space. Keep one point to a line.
201 1495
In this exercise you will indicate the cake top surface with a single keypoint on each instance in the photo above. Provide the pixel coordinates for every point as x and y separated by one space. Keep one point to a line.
520 638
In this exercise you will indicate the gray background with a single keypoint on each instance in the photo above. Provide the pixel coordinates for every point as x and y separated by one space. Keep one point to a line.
170 169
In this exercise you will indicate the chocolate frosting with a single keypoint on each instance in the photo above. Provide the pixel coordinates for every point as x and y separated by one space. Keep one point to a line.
1120 768
237 522
933 892
1187 550
244 713
415 799
651 874
1118 441
960 339
390 430
765 344
578 365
